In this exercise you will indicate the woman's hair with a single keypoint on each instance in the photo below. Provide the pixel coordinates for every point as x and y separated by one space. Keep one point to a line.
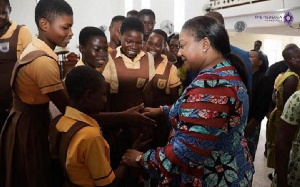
87 32
162 33
206 26
50 9
264 66
132 24
83 78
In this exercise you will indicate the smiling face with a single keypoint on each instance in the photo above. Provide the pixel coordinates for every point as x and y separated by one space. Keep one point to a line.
95 52
131 43
174 46
58 31
4 14
191 51
155 44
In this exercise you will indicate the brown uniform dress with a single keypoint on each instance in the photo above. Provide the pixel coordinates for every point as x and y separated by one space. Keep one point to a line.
8 56
24 148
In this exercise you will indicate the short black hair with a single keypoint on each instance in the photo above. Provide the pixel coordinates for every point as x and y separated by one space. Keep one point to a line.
49 9
6 2
146 12
87 32
286 53
132 24
81 79
117 18
133 12
161 32
258 41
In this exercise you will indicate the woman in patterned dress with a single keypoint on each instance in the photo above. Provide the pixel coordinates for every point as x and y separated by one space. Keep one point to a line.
206 146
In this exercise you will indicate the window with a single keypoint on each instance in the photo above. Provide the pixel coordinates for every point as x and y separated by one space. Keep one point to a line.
272 48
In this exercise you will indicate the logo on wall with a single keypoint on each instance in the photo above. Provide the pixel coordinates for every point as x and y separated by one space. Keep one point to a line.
288 18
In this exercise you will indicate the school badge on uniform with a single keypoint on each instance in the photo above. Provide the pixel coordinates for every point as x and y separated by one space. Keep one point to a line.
4 47
140 82
161 83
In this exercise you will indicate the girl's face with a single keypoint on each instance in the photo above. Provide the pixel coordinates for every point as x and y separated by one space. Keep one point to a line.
4 14
95 52
59 31
293 61
191 51
131 43
174 46
155 44
255 60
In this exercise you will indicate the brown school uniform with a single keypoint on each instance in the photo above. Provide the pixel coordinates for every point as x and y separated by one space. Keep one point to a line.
127 79
12 43
24 147
165 78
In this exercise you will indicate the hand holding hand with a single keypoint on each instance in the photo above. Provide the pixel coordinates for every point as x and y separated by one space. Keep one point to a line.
134 117
130 157
152 112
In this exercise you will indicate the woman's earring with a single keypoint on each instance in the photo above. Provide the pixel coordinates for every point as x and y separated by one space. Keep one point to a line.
204 50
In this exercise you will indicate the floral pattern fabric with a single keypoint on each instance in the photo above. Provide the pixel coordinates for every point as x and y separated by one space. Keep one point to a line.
206 145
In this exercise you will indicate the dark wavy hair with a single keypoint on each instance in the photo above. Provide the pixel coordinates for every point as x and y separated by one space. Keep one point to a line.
206 26
162 33
132 24
87 32
50 9
81 79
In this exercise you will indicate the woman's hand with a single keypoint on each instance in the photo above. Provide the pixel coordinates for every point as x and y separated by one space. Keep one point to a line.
152 112
132 157
136 118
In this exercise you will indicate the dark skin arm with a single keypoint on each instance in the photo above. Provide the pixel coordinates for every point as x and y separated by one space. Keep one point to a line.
132 116
285 136
60 99
289 87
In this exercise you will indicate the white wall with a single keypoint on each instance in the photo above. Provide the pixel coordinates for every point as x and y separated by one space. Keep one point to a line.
100 12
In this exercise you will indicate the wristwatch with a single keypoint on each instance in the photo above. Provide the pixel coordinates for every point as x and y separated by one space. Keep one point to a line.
138 159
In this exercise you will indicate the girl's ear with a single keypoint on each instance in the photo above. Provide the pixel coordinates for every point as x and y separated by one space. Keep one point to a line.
43 24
